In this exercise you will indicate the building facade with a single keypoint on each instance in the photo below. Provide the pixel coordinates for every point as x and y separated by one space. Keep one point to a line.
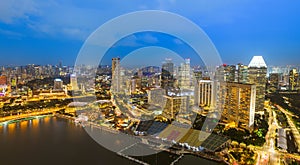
293 79
257 75
238 104
204 93
116 75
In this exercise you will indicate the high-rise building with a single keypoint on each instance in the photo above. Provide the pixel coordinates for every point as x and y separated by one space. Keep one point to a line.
175 105
274 79
226 73
13 85
258 75
242 73
156 96
185 75
167 74
3 80
3 85
204 93
133 85
116 75
293 79
73 82
58 84
238 103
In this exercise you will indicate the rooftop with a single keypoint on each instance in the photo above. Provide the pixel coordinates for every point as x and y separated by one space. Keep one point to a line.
258 62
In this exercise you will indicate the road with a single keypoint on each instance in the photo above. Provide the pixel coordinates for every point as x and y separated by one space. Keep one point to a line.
292 125
268 153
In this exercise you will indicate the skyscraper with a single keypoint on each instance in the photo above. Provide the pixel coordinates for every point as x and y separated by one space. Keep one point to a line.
156 96
242 73
274 81
58 84
226 73
73 82
3 85
258 75
293 79
116 75
167 74
185 75
204 93
238 103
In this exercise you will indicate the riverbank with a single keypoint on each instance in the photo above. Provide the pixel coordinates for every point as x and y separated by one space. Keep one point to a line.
57 127
23 119
65 116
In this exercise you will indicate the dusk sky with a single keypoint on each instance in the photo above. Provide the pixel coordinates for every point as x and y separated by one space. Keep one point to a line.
49 31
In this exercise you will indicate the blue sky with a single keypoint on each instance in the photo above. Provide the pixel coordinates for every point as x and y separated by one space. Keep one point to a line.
45 32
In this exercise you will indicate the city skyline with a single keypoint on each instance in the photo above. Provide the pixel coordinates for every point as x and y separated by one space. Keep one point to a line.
150 82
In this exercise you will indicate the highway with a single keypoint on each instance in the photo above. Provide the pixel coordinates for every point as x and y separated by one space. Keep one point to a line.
292 125
268 153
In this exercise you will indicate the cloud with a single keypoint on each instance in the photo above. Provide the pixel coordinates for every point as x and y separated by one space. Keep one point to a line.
148 38
10 33
10 10
77 19
130 41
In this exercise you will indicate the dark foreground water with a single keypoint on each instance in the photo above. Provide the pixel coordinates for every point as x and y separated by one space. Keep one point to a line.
56 141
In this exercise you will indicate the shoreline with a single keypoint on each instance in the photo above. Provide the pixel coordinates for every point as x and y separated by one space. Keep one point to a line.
111 131
23 119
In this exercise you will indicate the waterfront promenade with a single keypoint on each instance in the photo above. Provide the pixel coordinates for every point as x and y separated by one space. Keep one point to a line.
25 115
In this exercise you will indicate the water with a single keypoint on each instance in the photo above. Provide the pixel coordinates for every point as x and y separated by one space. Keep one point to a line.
55 141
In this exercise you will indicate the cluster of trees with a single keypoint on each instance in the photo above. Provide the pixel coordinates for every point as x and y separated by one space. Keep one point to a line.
256 137
281 118
244 156
199 121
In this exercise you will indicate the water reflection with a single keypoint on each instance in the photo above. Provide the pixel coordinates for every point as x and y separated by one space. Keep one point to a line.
11 126
35 123
58 141
23 125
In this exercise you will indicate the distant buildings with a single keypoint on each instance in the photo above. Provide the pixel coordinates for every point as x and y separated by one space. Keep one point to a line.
274 80
3 85
257 75
73 82
156 96
116 75
293 80
3 80
167 74
58 84
185 75
242 73
226 73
